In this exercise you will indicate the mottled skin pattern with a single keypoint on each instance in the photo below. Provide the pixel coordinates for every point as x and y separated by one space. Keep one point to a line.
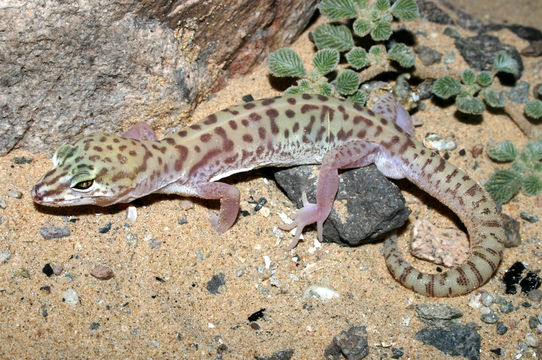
284 131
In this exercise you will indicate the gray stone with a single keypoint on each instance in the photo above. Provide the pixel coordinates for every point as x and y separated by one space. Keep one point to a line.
351 344
68 69
366 207
437 315
480 52
459 340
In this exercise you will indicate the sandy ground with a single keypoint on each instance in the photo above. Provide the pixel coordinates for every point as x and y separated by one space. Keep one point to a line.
158 304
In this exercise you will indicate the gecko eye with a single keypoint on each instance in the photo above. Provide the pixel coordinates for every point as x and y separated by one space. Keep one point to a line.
83 185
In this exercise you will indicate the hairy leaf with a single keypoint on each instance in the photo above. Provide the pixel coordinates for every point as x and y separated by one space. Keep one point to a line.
326 89
503 185
377 50
347 82
286 62
534 149
493 98
502 151
362 27
505 63
446 87
381 31
338 9
484 78
532 184
326 60
334 37
403 55
534 109
470 104
382 5
357 58
468 77
405 10
359 97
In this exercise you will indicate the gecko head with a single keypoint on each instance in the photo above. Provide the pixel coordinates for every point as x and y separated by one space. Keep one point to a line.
97 170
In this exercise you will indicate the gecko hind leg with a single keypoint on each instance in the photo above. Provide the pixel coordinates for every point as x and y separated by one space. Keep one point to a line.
353 154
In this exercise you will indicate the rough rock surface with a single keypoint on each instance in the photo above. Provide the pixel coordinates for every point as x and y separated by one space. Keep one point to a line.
68 69
367 205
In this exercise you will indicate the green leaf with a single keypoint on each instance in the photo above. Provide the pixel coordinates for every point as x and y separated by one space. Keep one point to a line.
357 58
376 50
347 82
503 185
334 37
446 87
502 151
294 90
286 62
338 9
532 184
403 55
381 31
362 27
493 98
362 3
382 5
326 89
359 97
534 109
505 63
534 148
468 77
405 10
470 105
484 78
326 60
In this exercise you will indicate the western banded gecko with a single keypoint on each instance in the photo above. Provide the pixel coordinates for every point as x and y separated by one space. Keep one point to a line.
283 131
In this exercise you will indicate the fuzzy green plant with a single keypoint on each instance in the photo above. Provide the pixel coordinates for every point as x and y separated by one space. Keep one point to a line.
474 91
335 39
525 172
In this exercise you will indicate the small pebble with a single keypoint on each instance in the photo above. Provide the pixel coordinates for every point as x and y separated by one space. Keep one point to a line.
57 269
487 298
131 213
5 255
182 221
501 328
54 232
43 311
20 160
239 272
506 307
531 340
105 229
533 322
70 297
320 292
527 217
435 142
485 310
14 194
94 326
490 318
526 304
102 272
477 150
3 203
47 270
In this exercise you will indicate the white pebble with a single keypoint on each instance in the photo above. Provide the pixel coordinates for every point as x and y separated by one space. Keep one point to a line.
131 214
321 292
5 256
70 297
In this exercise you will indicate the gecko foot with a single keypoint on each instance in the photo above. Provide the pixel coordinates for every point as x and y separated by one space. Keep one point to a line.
308 214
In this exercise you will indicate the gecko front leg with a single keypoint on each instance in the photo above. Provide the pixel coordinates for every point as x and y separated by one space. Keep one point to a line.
353 154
